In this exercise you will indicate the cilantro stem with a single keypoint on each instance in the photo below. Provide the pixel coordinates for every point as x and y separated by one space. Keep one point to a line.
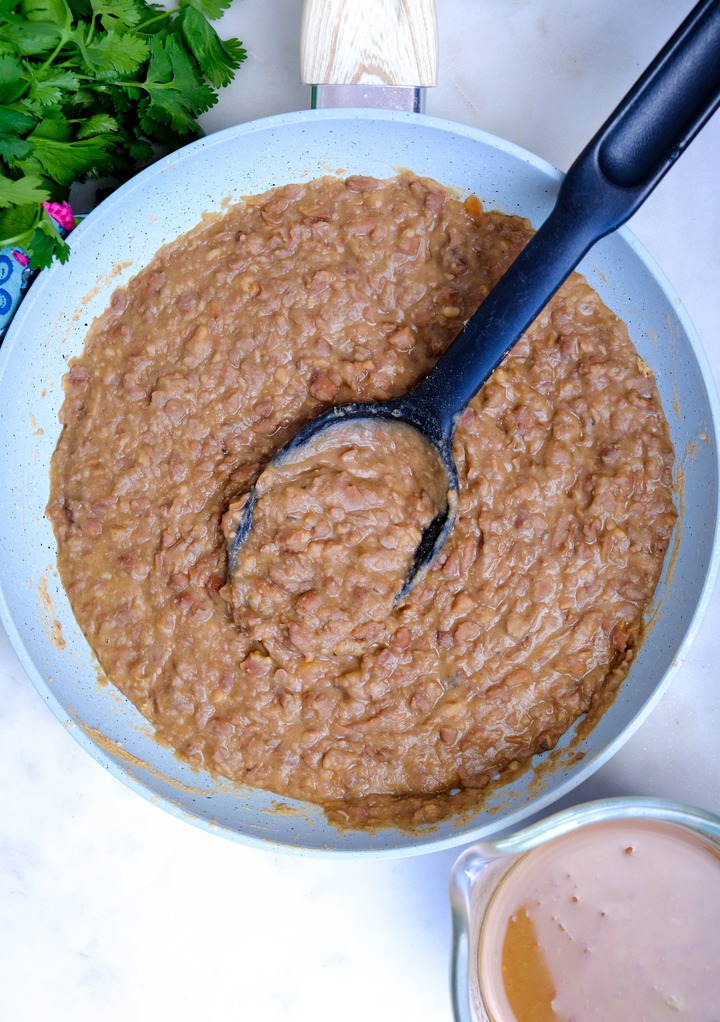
46 63
17 239
144 85
64 36
158 17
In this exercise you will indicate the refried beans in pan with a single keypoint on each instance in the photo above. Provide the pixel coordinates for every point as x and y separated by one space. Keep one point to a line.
234 336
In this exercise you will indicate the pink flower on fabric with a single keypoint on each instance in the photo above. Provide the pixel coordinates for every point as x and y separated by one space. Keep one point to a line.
20 257
61 212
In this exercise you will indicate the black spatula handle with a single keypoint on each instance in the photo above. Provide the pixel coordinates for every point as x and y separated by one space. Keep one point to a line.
607 183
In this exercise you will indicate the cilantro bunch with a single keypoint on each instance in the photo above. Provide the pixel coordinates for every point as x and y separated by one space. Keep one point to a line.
97 88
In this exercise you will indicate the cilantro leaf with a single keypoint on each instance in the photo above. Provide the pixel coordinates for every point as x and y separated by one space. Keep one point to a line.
211 9
13 125
110 54
46 243
98 124
31 38
175 92
12 79
58 128
13 148
117 13
140 150
219 60
22 192
17 223
55 11
48 87
67 161
13 121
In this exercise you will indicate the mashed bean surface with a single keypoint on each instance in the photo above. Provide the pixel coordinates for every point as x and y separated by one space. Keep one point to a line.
335 528
234 336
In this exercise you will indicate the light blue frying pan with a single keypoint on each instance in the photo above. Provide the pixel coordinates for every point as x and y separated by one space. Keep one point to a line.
119 239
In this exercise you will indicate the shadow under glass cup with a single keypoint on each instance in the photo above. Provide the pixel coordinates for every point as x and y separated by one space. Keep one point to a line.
607 911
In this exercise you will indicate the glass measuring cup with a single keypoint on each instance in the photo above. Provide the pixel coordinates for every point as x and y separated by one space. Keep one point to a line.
479 873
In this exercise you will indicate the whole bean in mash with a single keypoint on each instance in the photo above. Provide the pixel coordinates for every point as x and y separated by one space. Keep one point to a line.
232 338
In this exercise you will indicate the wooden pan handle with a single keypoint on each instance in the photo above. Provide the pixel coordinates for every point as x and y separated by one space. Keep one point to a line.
369 42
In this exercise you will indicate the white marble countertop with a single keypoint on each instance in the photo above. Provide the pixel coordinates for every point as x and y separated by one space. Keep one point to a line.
111 909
